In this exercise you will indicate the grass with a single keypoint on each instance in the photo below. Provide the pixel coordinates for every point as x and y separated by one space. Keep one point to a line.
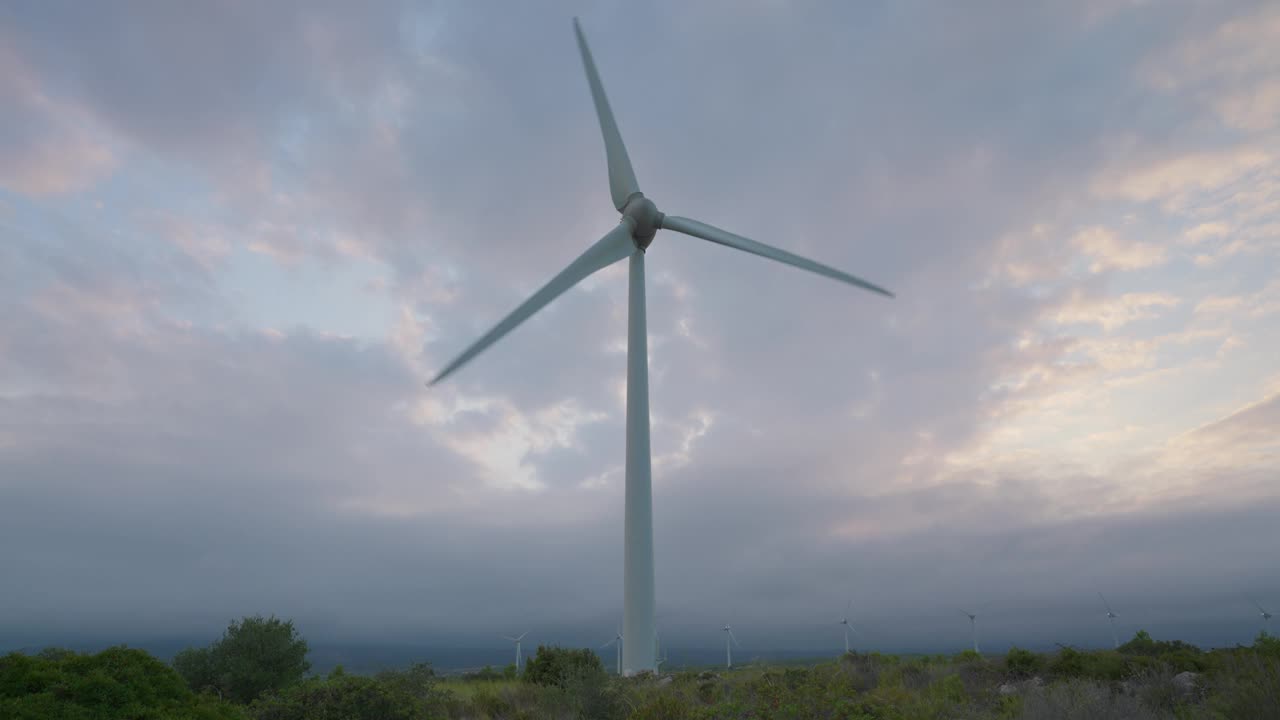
468 689
1136 683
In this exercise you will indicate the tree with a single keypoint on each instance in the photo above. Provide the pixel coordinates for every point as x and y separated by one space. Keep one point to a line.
116 684
195 665
558 666
254 656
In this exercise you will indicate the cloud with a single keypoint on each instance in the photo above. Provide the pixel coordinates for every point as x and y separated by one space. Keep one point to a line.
1115 312
1230 68
1109 251
48 145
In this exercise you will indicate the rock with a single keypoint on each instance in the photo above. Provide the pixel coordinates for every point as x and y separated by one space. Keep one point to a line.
1036 681
663 682
1187 684
1007 689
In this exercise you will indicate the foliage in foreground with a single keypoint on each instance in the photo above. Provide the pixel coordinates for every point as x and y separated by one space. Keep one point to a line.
117 683
1139 681
391 695
255 655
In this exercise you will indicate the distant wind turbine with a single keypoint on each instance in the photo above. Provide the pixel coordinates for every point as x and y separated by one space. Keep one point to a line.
973 628
629 240
1111 616
728 651
1266 617
517 640
617 640
844 620
659 655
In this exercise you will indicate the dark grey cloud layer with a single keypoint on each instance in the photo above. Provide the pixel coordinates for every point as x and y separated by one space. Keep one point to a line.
159 475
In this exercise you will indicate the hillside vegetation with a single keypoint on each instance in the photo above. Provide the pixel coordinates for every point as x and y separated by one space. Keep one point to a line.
256 673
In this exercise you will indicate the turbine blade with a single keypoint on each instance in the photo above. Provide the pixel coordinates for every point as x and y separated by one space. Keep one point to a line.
622 179
614 246
734 638
526 632
505 637
716 235
1104 602
846 609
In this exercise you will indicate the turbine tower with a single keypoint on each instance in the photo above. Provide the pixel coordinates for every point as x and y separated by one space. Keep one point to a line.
629 240
517 640
617 640
728 651
1266 617
973 628
1112 617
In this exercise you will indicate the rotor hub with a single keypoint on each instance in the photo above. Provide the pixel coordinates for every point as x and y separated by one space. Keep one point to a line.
645 218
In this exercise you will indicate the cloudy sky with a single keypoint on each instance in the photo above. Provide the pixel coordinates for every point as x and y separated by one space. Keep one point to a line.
237 237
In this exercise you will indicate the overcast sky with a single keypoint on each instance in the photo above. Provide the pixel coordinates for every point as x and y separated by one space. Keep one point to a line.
237 237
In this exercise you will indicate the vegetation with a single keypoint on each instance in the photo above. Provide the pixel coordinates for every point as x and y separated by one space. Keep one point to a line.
255 655
115 683
1144 679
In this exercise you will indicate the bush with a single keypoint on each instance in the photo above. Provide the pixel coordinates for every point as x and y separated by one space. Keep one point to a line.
557 666
390 695
1021 663
1083 700
1247 687
116 683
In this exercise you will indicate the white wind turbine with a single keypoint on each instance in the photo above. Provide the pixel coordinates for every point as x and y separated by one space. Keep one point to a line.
1266 617
640 221
728 650
973 627
617 640
1112 617
659 655
517 640
844 620
973 623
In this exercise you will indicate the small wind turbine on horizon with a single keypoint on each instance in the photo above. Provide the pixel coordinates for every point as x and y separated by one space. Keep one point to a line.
844 620
1111 616
1266 617
517 640
629 240
728 650
659 655
973 629
617 640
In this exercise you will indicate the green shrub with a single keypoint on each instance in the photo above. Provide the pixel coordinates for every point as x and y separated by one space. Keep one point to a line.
1021 663
556 666
1247 687
118 682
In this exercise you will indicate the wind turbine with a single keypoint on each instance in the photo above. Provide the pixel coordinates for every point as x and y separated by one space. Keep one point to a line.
617 640
517 640
844 620
640 221
973 628
728 651
1266 616
1112 617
